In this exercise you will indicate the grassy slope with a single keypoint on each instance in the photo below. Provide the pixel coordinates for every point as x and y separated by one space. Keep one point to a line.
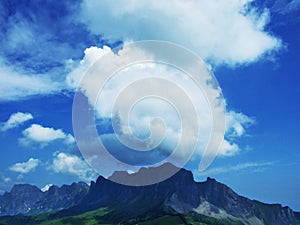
102 216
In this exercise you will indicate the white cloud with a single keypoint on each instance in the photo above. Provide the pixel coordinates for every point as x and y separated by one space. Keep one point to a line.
236 126
231 32
91 55
248 166
69 139
141 113
16 85
72 164
25 167
228 149
6 179
44 135
15 120
236 123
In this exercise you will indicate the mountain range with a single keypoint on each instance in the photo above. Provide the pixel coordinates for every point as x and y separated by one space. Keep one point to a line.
177 200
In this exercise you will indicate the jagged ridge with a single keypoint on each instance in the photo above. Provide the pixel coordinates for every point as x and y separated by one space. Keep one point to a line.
179 194
28 199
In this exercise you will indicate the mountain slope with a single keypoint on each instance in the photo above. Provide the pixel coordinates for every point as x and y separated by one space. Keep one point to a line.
28 199
181 194
178 198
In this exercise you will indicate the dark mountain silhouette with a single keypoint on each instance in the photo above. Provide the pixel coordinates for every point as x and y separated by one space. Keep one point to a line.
28 199
178 195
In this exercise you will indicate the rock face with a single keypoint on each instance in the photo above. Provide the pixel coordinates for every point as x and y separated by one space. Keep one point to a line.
28 199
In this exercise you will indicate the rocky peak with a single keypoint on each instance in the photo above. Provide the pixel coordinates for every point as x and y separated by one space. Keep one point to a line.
24 188
28 199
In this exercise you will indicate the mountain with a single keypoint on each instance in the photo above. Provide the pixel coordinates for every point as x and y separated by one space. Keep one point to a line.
178 198
181 194
28 199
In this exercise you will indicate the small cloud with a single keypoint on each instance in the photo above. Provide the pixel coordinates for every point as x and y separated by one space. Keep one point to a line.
236 127
44 135
228 149
6 179
20 177
69 139
25 167
72 164
236 123
15 120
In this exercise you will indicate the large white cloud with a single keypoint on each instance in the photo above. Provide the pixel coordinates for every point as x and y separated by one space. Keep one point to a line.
15 120
231 32
236 123
44 135
72 164
25 167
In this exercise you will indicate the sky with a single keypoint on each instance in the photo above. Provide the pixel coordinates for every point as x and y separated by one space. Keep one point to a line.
251 47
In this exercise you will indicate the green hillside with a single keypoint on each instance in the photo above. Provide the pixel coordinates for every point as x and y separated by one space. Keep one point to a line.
104 216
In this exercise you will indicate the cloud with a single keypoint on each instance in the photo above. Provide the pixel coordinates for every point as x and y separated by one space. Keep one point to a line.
15 85
29 41
38 54
222 32
44 135
228 148
143 111
34 52
5 179
25 167
72 164
248 166
91 55
15 120
236 126
237 123
285 6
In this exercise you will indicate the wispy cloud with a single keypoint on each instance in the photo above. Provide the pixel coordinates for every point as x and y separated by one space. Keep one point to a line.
285 6
15 85
15 120
25 167
33 52
242 167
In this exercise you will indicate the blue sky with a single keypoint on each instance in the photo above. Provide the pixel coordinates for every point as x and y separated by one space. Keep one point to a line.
252 48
